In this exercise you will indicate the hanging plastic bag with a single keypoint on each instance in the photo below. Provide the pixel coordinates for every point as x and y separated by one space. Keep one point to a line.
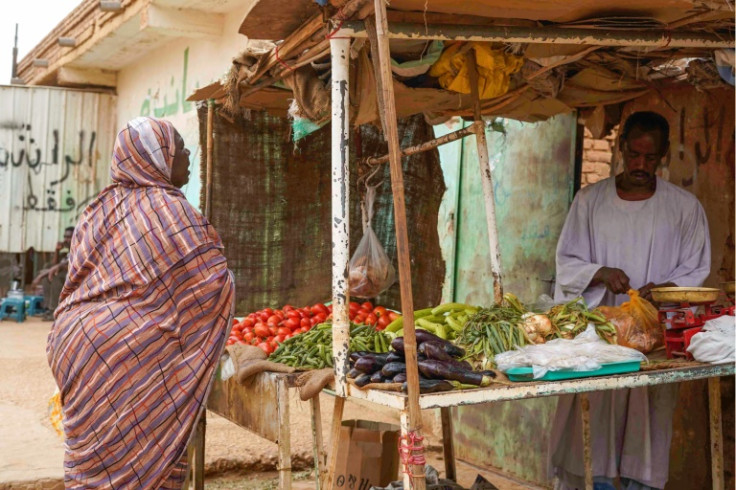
637 323
370 269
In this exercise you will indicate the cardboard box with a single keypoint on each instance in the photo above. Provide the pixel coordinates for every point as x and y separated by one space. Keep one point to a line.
367 455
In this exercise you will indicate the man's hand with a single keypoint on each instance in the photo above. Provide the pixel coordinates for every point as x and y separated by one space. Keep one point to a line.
646 290
614 279
60 246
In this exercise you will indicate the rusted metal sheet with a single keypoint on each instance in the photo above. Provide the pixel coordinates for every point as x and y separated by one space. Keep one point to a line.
253 406
55 148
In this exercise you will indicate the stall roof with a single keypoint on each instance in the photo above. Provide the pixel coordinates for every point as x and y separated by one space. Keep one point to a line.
557 76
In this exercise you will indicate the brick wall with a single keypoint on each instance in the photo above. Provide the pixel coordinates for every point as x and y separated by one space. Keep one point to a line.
597 155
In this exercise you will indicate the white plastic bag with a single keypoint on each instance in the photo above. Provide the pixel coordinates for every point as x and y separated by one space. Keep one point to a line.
370 270
715 343
586 352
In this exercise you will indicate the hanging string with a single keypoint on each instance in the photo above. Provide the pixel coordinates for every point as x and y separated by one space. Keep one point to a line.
282 62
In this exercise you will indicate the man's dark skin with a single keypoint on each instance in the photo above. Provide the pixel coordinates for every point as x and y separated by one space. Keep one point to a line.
642 153
180 167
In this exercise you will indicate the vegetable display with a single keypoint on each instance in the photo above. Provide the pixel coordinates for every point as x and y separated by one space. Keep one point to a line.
268 328
440 368
445 320
313 349
572 318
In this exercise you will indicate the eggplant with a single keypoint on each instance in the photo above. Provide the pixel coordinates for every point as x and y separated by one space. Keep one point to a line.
354 373
395 357
362 380
399 378
443 370
377 377
369 364
436 351
397 344
354 356
430 386
391 369
449 347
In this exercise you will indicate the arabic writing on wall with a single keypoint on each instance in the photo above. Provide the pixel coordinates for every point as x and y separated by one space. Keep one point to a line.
173 101
47 174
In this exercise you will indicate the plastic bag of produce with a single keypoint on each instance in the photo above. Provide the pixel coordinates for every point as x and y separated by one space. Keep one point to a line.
370 270
586 352
637 323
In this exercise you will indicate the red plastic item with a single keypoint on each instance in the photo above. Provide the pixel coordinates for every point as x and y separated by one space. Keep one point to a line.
681 324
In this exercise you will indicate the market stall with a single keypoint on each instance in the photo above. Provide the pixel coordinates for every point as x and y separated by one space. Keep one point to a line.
592 48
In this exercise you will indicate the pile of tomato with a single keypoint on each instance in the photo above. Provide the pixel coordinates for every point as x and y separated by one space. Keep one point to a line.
267 328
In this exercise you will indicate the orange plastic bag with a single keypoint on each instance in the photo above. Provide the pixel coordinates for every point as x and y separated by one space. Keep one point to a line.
637 323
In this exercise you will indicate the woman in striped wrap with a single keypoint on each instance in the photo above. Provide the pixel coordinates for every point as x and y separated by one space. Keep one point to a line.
142 319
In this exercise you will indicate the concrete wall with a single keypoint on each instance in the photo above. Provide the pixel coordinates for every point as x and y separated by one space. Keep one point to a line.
159 83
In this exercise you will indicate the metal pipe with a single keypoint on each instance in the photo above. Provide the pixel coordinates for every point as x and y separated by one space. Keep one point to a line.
545 35
427 145
340 56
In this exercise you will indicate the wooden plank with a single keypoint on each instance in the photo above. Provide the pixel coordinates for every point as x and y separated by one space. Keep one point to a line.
402 236
282 395
320 457
70 77
448 444
587 452
328 482
210 156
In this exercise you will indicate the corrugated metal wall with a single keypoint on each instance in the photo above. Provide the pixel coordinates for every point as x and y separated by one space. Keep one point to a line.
55 147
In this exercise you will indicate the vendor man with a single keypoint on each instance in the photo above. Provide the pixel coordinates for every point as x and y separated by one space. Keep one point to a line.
53 275
637 231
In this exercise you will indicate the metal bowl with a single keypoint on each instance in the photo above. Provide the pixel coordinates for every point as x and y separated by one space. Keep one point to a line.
729 287
685 295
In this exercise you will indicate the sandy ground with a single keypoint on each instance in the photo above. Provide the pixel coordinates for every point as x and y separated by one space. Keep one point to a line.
31 453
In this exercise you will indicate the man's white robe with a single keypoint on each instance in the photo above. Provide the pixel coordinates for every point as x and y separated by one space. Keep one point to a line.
661 239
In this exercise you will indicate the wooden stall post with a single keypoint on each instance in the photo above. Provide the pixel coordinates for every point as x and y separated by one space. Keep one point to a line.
716 432
210 153
340 57
487 181
402 243
282 395
587 455
319 447
448 444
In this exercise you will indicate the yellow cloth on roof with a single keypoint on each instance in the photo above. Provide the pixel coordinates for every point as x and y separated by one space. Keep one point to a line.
494 69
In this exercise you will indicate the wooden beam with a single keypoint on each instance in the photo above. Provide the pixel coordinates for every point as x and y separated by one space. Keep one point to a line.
402 239
68 76
427 145
67 42
181 22
654 38
110 5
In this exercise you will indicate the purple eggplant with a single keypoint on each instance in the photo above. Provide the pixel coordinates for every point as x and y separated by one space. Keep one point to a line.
443 370
430 386
362 380
436 351
450 348
377 377
395 357
399 378
391 369
369 364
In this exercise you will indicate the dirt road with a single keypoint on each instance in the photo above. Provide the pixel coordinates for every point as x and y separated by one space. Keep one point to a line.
31 453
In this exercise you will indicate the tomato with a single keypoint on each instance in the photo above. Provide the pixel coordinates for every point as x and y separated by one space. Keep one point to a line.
265 347
273 320
283 331
306 312
305 329
383 322
287 308
354 306
268 310
291 323
305 322
379 310
319 308
246 330
274 345
294 314
247 322
279 338
313 321
359 319
273 330
263 316
329 308
229 342
321 317
392 315
261 330
367 306
289 336
248 337
371 319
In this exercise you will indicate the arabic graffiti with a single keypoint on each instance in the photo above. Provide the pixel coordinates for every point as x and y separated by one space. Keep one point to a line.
170 103
28 153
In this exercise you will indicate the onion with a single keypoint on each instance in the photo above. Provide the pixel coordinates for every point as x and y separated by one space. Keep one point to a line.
537 323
